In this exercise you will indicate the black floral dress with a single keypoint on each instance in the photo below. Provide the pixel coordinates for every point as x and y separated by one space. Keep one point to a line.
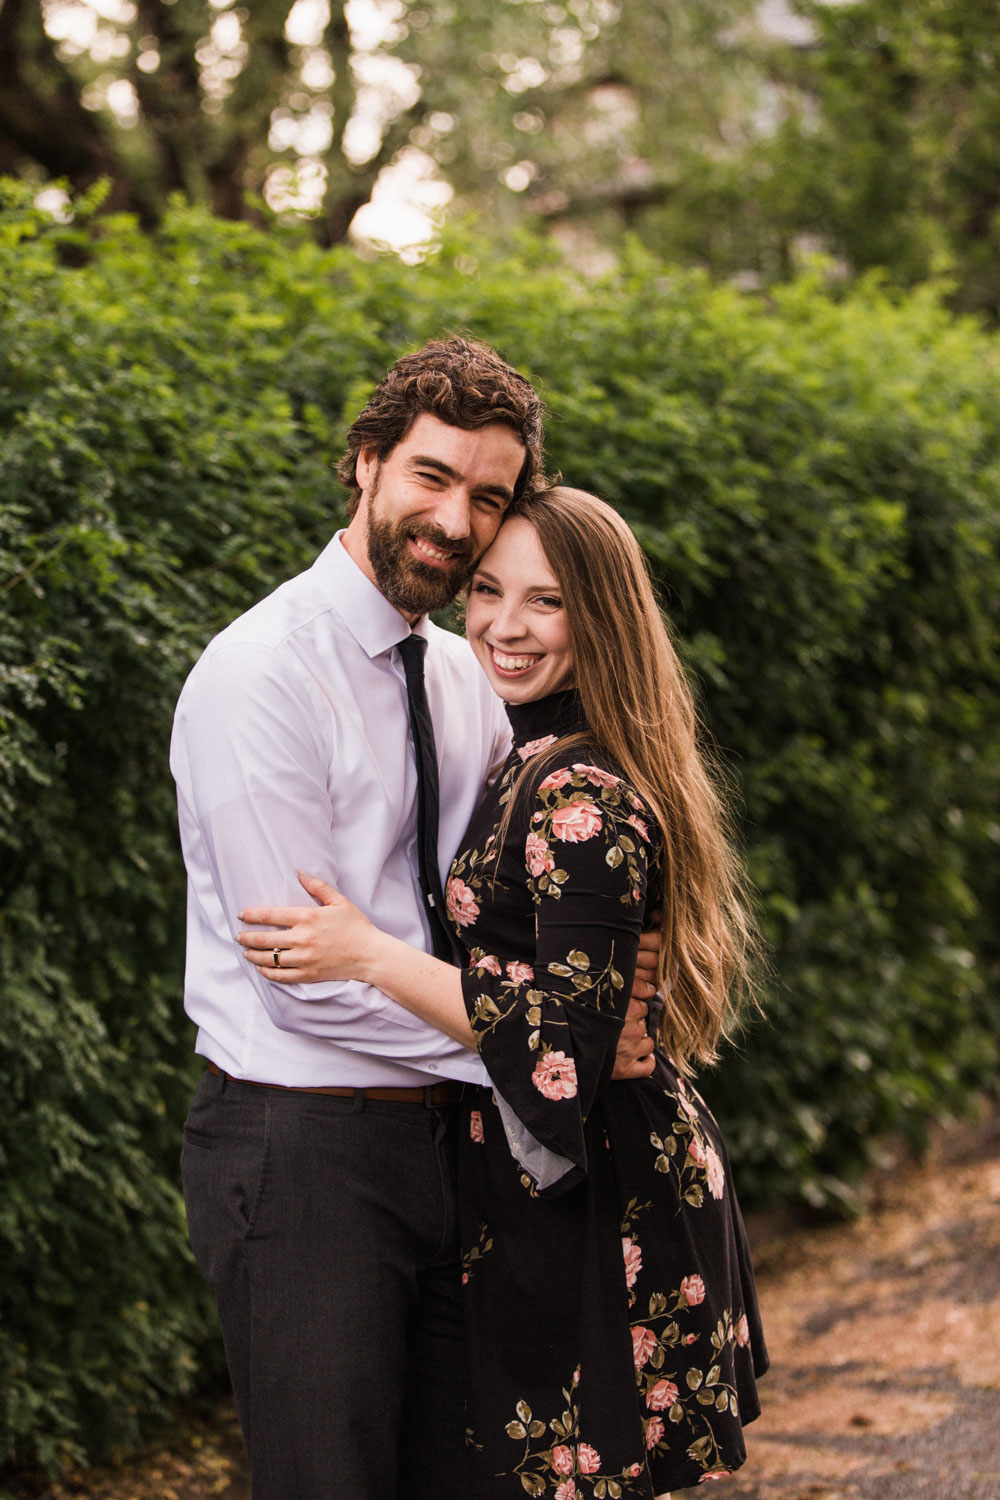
613 1328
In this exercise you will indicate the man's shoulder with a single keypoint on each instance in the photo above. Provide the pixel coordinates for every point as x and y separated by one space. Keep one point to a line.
299 604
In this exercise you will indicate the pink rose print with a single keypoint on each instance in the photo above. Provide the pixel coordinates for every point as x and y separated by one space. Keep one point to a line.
654 1431
555 1076
690 1338
538 855
663 1395
633 1260
716 1173
461 903
635 1470
693 1290
465 1278
489 963
596 776
688 1106
639 806
562 1459
576 823
743 1331
476 1126
533 746
696 1151
520 973
715 1474
567 1491
643 1344
590 1459
639 827
556 779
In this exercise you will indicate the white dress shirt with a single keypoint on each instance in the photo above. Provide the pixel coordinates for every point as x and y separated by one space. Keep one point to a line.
291 750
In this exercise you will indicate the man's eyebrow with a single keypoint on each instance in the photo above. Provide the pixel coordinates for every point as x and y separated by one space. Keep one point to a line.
422 461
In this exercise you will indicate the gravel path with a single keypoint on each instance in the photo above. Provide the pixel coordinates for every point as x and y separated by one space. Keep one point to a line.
885 1341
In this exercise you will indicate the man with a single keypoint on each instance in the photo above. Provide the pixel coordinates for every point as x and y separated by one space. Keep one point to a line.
317 1162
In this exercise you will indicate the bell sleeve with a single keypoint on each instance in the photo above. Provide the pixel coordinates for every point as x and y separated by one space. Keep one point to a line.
547 1027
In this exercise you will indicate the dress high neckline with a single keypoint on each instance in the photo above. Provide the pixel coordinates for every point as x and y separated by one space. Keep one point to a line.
556 714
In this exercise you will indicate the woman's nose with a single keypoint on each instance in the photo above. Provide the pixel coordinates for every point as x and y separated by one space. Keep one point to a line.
507 623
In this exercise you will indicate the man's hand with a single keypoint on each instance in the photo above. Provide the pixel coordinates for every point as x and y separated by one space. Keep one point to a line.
635 1046
644 984
634 1058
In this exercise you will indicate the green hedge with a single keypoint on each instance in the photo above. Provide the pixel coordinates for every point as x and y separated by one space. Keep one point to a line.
816 480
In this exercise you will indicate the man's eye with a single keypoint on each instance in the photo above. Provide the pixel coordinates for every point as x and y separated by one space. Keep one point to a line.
489 502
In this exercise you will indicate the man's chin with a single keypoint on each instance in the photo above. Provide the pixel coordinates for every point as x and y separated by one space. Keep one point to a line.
419 589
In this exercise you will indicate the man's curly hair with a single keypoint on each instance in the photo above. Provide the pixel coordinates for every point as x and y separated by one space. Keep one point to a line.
459 381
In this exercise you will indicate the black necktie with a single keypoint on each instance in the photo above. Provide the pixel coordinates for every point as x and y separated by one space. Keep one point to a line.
412 652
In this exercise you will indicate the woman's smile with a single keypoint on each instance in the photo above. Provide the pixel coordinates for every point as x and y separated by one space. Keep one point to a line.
509 665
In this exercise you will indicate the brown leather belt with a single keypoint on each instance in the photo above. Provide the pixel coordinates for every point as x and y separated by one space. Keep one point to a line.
434 1095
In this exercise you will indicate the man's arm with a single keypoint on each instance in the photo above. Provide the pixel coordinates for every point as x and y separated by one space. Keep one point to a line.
252 758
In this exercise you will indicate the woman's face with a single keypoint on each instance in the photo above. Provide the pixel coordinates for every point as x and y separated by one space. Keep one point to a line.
515 621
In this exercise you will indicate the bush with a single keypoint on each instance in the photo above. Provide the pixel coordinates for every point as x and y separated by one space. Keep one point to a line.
815 480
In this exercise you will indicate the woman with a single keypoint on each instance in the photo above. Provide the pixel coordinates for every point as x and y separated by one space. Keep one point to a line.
612 1323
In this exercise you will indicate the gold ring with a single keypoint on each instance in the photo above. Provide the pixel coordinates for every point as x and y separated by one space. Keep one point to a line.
277 960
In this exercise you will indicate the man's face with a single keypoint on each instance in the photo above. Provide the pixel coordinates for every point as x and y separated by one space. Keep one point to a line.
433 507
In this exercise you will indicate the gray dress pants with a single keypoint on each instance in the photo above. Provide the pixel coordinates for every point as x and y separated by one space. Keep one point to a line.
327 1230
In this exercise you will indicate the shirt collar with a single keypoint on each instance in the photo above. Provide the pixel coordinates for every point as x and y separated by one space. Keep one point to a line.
374 623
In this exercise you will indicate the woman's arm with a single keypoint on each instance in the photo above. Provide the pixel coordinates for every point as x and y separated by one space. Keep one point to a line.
335 940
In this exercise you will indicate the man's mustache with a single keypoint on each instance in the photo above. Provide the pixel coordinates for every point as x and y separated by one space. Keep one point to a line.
461 547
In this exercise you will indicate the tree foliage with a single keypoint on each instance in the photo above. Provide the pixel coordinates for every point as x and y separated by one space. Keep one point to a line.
872 131
815 481
594 106
889 146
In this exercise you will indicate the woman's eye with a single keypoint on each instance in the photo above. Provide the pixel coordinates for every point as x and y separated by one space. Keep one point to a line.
549 601
484 588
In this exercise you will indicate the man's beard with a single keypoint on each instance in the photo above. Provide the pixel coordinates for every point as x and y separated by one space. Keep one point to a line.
411 586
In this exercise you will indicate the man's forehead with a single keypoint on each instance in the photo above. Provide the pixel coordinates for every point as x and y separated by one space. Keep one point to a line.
491 453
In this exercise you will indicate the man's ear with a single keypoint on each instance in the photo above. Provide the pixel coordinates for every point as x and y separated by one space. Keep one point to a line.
366 467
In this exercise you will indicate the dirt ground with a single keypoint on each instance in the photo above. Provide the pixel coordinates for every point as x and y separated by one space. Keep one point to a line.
885 1341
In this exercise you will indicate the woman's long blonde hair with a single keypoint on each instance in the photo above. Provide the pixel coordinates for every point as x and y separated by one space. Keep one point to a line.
640 709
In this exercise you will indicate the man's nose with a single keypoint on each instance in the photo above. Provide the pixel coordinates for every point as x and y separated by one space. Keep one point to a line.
453 513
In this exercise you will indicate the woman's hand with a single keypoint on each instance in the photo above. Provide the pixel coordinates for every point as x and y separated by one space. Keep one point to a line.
333 940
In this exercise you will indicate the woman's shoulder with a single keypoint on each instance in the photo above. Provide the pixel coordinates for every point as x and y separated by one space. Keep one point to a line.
584 771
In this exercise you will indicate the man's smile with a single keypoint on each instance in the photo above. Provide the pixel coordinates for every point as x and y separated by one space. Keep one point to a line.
428 553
